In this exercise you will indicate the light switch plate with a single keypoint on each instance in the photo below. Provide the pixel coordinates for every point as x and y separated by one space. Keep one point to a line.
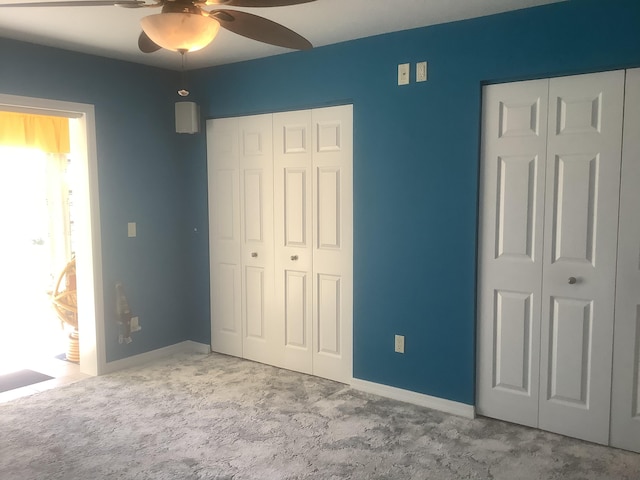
131 229
421 72
403 74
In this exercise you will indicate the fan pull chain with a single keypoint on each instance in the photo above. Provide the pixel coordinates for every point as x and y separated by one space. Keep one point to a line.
183 92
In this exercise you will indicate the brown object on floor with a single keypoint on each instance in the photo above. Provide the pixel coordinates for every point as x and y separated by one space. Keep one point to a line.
65 303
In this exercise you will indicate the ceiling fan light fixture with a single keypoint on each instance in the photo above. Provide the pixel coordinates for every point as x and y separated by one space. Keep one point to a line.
180 31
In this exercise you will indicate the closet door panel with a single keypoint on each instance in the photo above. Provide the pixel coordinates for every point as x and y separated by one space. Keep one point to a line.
281 207
581 223
293 238
224 236
510 249
256 203
332 242
625 399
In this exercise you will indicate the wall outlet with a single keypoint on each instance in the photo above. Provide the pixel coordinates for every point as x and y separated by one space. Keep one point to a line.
399 347
135 324
421 72
403 74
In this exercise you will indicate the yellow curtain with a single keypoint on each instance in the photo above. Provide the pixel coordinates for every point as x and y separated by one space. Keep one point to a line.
49 134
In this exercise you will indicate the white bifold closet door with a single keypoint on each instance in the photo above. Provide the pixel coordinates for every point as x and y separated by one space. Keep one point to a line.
551 159
293 189
241 236
224 235
256 237
313 240
282 252
625 398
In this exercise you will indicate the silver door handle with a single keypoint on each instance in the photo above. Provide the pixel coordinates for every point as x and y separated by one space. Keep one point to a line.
572 280
254 254
294 257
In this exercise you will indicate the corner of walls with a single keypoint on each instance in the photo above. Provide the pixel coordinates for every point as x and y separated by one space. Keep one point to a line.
141 179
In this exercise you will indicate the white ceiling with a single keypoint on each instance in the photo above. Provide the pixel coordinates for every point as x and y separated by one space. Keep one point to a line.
113 32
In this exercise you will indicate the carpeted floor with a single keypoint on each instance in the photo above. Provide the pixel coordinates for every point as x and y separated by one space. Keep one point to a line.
215 417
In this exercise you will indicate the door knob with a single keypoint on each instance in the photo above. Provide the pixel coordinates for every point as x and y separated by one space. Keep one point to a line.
254 254
572 280
294 257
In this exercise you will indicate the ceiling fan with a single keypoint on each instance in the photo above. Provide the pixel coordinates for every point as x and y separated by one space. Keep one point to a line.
186 26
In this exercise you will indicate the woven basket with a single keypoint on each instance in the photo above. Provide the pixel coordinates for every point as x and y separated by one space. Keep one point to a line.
65 296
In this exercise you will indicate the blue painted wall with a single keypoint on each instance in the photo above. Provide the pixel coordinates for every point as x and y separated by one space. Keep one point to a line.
415 177
141 178
415 166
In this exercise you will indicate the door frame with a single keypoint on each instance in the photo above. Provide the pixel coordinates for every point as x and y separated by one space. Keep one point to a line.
82 131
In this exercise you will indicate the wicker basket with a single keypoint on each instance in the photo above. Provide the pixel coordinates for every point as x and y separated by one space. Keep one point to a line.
65 303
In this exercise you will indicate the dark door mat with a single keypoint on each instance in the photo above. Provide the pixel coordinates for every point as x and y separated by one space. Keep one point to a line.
22 378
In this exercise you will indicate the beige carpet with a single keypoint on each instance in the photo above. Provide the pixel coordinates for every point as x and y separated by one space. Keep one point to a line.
215 417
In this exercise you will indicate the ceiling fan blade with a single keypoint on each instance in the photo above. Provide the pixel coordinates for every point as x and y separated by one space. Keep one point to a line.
146 45
260 29
258 3
79 3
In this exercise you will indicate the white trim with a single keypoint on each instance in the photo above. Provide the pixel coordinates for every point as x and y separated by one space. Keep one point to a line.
40 111
197 347
91 298
136 360
435 403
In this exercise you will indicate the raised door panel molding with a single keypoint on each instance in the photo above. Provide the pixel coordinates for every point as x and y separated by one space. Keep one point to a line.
575 217
519 119
295 138
516 215
254 207
254 303
512 349
570 351
329 318
578 115
329 208
226 296
296 221
329 136
296 311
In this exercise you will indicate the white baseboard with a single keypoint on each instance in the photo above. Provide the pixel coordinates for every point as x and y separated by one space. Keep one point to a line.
196 347
187 346
436 403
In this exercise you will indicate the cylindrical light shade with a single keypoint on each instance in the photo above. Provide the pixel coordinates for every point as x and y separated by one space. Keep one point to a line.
180 31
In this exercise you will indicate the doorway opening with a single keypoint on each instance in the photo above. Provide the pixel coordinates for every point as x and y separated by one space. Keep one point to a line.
36 189
83 241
